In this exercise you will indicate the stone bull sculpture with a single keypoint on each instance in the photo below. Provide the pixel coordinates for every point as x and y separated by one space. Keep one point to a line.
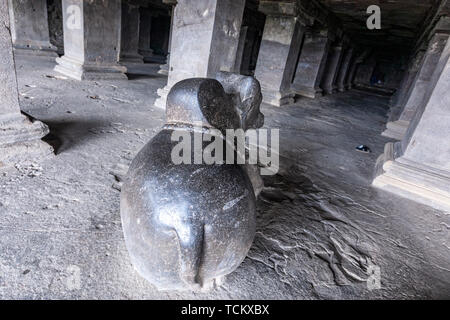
186 226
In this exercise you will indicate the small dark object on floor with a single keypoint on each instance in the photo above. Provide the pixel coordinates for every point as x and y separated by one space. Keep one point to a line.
363 148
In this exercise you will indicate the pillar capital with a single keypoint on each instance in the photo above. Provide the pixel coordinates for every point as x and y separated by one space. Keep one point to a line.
442 26
286 8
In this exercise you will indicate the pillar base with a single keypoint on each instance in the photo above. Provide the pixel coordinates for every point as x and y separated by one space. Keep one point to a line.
278 99
147 54
131 58
341 89
412 180
327 90
39 49
161 101
164 69
396 129
21 140
307 91
80 71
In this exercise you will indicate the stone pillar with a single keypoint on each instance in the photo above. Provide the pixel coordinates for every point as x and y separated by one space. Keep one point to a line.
418 167
145 29
311 64
129 42
29 27
240 49
205 38
331 68
91 40
397 129
280 48
20 137
356 61
164 68
344 69
394 128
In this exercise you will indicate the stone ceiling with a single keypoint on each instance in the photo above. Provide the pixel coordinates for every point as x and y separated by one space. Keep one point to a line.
401 20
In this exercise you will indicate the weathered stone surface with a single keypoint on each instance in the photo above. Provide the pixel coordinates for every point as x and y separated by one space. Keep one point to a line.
417 167
129 42
186 226
205 38
19 137
311 64
29 27
91 46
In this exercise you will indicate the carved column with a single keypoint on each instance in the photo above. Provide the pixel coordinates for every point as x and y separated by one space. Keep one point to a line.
311 64
205 38
91 40
331 68
356 61
394 128
279 51
29 27
344 69
145 28
240 49
418 166
129 42
20 138
164 68
418 90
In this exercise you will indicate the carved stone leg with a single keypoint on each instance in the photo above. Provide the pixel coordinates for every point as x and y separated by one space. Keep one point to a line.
29 28
203 48
311 65
418 167
91 48
20 137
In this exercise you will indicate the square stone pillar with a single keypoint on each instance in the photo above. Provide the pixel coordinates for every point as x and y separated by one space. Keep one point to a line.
240 49
91 40
418 167
311 64
357 59
436 45
20 137
29 27
344 69
145 29
205 39
396 129
331 69
164 68
280 47
129 34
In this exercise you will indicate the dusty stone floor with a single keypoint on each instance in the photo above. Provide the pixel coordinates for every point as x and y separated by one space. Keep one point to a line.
321 227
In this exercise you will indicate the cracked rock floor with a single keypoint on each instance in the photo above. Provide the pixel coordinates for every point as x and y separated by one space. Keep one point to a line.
322 230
